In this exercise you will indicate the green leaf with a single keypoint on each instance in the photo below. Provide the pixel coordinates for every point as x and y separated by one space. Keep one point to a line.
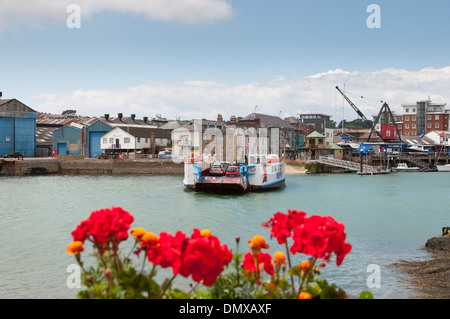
366 295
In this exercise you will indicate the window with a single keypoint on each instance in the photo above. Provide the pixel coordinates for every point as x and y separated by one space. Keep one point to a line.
138 139
406 110
414 110
436 125
414 126
428 117
105 140
406 118
126 140
428 125
111 140
406 126
436 117
413 118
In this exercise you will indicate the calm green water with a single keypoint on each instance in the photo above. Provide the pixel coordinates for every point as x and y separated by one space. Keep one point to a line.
388 218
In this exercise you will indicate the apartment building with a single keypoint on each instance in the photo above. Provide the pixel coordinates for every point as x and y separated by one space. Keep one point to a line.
424 117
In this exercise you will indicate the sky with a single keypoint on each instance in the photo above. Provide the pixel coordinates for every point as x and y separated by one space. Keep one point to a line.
192 59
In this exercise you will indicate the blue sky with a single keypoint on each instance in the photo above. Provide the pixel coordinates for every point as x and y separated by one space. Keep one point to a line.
226 59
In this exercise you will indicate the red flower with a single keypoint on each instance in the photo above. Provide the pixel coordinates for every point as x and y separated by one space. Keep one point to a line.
104 224
204 258
251 265
281 225
169 252
201 256
320 237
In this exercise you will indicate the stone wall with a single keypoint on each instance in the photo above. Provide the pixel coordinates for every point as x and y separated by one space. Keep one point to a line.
89 167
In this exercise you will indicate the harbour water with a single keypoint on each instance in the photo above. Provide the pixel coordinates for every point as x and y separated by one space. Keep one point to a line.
387 218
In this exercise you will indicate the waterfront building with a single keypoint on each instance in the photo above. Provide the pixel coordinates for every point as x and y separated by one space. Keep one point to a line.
424 117
318 121
200 137
67 140
315 143
280 133
132 139
17 128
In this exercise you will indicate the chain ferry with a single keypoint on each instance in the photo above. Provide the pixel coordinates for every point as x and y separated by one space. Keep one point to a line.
260 173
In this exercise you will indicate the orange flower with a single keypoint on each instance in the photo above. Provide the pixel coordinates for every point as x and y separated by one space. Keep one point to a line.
149 239
206 233
279 258
75 248
304 295
138 233
258 242
304 265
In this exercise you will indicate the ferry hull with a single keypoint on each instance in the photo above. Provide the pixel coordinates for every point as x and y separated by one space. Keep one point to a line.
274 185
256 176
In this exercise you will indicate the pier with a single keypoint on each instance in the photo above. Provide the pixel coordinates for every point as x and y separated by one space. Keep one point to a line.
352 166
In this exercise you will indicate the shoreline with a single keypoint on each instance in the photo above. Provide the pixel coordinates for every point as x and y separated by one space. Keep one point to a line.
291 169
86 166
430 278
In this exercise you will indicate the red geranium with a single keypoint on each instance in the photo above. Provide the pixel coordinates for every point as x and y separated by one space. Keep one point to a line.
201 256
319 237
252 263
281 225
104 224
204 258
169 251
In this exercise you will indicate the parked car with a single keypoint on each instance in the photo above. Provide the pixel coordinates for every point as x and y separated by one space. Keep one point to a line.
217 169
233 171
14 155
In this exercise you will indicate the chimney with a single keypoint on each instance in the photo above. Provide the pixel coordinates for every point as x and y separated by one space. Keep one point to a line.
233 119
120 115
145 119
107 117
133 116
1 95
219 119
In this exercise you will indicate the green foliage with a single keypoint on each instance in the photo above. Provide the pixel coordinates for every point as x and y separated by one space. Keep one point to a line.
366 295
69 112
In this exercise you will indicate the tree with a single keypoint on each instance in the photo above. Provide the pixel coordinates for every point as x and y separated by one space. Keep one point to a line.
69 112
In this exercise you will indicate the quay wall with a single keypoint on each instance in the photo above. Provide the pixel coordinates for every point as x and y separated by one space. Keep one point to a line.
77 166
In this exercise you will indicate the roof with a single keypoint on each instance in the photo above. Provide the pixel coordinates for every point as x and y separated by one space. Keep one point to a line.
315 134
413 139
44 135
171 125
145 131
333 146
268 120
13 105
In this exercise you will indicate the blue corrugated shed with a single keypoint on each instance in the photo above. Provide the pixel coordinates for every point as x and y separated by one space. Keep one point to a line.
94 132
67 141
17 128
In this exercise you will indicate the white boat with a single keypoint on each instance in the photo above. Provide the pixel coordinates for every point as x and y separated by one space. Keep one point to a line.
260 173
443 168
403 167
418 149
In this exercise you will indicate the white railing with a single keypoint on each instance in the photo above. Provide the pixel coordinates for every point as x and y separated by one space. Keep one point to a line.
346 164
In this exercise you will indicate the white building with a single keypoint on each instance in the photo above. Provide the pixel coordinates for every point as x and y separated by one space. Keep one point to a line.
127 138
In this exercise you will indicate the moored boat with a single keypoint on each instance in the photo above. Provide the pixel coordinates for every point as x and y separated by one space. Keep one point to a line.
260 173
403 167
443 168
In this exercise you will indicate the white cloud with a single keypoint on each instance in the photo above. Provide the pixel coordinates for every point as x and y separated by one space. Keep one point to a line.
35 12
285 96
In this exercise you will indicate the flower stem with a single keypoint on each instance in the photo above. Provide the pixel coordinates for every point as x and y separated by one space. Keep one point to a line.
306 275
290 267
166 286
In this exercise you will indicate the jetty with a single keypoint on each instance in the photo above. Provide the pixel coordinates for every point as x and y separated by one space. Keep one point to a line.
360 168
